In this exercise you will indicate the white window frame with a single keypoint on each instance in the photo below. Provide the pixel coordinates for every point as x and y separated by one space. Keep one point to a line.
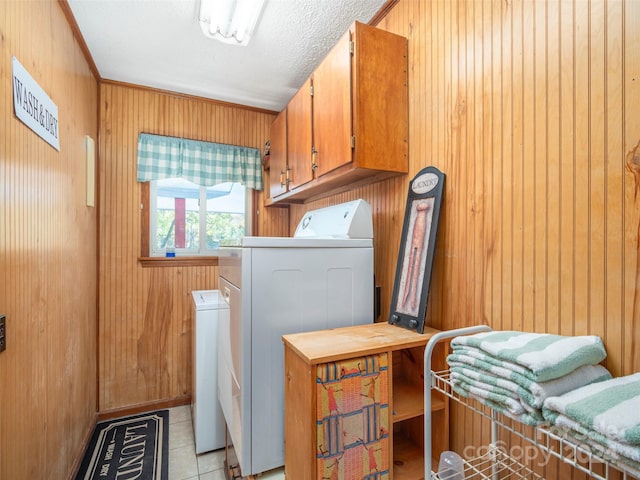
154 251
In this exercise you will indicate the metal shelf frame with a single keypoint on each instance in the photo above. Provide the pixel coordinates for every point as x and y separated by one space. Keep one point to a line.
496 464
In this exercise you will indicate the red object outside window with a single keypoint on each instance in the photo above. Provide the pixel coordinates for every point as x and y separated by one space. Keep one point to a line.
180 209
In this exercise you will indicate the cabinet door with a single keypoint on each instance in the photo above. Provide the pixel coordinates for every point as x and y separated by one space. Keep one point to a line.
278 160
352 418
380 107
299 137
332 128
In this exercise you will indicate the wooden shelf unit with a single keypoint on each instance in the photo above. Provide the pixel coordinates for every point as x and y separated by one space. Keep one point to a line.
401 351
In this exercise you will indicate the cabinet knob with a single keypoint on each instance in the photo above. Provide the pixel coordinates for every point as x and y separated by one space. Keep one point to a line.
413 323
395 318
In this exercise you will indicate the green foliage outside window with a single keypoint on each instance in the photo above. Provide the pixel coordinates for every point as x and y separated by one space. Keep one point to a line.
222 229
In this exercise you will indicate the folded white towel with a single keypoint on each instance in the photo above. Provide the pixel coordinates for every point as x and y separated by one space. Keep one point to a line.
610 408
538 356
501 404
606 447
531 394
483 391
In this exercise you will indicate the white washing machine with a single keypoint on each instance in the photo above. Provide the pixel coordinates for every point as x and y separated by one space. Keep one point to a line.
321 278
208 422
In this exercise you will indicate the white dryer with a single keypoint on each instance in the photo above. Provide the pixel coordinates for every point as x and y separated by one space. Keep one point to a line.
321 278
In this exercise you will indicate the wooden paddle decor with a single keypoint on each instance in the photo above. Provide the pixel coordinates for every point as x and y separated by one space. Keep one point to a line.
415 258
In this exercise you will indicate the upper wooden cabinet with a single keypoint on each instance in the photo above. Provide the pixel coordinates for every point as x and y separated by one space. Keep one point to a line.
349 123
278 156
299 140
332 107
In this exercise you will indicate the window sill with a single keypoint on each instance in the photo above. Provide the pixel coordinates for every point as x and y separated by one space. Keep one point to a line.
178 261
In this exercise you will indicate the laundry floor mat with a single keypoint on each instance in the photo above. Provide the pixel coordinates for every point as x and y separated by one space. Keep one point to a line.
135 447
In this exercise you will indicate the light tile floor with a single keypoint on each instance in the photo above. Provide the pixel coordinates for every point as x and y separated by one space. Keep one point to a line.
184 464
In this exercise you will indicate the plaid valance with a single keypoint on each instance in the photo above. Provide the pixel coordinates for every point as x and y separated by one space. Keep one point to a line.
203 163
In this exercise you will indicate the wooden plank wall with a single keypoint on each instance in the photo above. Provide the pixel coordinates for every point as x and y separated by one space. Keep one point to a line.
145 318
530 108
48 251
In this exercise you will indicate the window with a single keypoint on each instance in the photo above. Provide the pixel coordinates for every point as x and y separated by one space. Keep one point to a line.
187 209
186 219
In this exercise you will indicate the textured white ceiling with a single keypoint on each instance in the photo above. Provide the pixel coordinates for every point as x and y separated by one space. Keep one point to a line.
159 44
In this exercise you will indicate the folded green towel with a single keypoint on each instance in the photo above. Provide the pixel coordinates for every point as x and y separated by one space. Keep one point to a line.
610 408
605 447
538 356
531 394
501 404
492 393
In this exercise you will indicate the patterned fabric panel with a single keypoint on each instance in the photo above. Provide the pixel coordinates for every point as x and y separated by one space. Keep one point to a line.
352 419
203 163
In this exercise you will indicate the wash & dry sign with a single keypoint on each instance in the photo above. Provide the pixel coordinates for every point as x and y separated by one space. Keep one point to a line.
33 106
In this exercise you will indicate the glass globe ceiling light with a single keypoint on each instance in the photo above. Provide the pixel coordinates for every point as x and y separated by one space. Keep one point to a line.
230 21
